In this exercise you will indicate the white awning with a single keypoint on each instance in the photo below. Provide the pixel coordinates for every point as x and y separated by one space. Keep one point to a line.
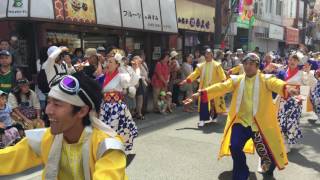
153 15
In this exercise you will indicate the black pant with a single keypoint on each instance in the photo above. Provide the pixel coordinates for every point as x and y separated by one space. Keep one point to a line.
239 137
175 94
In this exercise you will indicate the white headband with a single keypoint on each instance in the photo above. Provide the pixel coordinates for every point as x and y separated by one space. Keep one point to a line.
57 93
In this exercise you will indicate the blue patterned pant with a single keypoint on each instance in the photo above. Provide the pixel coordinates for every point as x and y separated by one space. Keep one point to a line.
315 99
289 116
118 117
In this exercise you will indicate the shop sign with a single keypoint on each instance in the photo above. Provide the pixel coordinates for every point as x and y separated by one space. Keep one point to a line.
232 31
3 8
131 14
195 16
41 9
244 23
75 11
292 36
169 16
276 32
108 12
151 15
18 8
156 54
317 37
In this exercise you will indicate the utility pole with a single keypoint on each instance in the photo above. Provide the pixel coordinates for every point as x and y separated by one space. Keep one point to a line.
217 25
304 21
234 4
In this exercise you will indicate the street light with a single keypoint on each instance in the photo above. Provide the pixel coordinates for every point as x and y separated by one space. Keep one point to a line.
312 3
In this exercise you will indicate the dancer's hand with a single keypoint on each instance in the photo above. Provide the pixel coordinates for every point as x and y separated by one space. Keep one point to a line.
196 95
182 82
293 91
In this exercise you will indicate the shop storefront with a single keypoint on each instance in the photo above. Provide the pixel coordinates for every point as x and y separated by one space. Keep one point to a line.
196 26
241 40
132 25
276 35
268 37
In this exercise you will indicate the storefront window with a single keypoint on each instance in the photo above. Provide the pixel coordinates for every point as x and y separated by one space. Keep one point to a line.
19 51
70 40
94 41
134 44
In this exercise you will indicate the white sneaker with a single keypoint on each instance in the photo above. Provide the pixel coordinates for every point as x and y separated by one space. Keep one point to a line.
208 121
215 120
296 146
201 124
288 149
259 169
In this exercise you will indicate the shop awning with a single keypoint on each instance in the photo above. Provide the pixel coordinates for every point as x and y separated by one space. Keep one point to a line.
151 15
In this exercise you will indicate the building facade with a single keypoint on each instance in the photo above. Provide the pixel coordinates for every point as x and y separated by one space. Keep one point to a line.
132 25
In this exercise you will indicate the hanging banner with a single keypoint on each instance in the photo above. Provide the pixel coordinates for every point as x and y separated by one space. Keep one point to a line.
195 16
110 17
41 9
18 8
151 15
131 14
292 35
3 9
169 16
75 11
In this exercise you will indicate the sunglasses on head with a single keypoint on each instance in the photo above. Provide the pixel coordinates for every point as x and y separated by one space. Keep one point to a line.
70 85
251 56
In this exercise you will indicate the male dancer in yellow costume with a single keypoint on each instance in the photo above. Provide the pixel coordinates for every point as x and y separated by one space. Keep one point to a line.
252 119
77 145
210 72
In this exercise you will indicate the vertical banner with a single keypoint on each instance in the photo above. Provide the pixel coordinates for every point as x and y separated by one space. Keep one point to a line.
3 8
151 13
18 8
169 16
42 9
131 14
108 12
58 10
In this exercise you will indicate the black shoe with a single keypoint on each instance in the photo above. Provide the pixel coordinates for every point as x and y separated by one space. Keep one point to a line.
130 158
312 121
268 175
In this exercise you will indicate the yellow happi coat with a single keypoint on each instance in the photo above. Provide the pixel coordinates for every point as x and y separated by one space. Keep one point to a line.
237 70
215 75
264 113
110 166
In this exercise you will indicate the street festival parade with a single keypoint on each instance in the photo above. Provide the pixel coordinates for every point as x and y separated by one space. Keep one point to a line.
160 89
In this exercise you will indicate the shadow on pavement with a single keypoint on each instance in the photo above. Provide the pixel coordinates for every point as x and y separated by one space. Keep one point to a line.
298 158
130 158
209 128
214 127
311 133
227 175
158 121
